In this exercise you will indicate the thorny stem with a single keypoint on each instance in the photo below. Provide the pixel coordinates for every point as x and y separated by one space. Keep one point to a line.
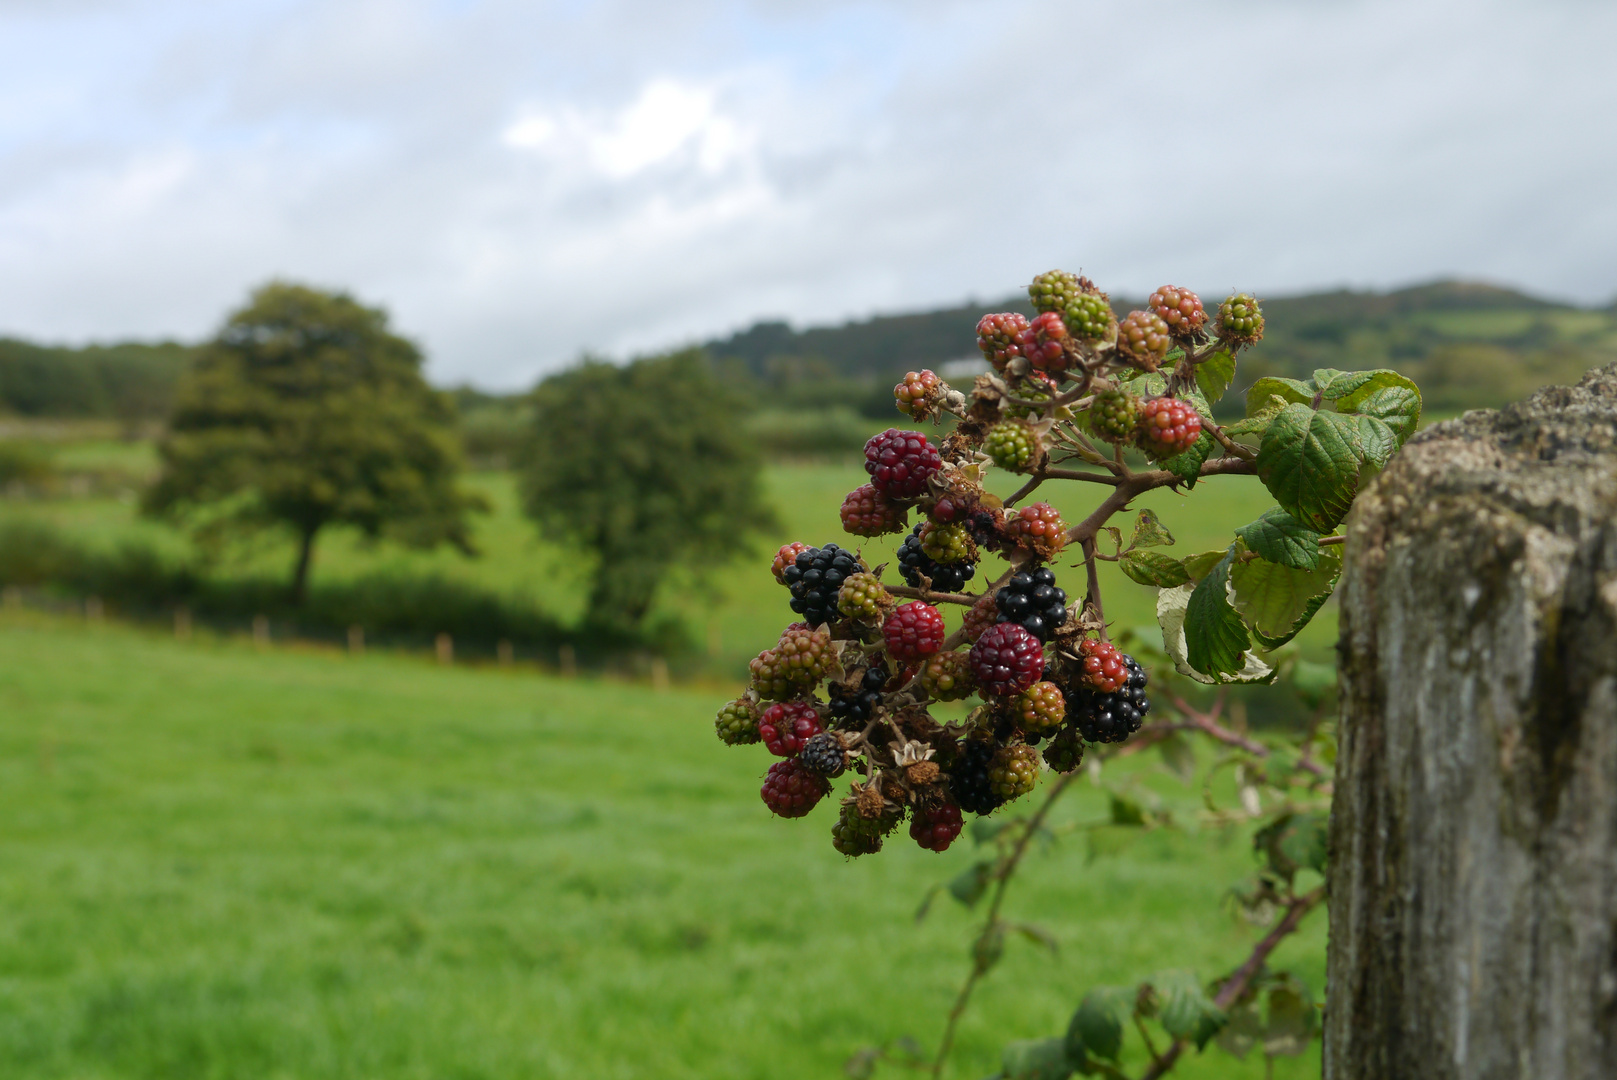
1079 474
1296 909
931 597
1208 723
1026 489
1092 600
1002 878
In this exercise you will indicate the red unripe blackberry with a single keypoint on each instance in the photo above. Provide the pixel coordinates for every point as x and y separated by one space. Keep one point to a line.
996 337
1044 343
786 556
1143 338
737 723
1168 426
1040 709
947 676
1040 525
1065 752
913 632
1006 659
1011 444
806 653
935 828
1180 308
1240 319
867 512
980 616
1102 666
900 462
1110 717
787 726
790 790
1115 415
913 393
1013 772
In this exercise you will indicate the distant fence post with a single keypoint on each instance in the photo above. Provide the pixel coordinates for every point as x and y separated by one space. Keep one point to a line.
182 623
659 673
356 639
445 647
505 653
569 660
94 610
261 630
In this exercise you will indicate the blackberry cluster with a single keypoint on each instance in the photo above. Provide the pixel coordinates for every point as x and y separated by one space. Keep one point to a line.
970 781
936 828
1032 600
1066 751
1143 337
815 578
791 790
1007 660
1168 426
1108 718
1180 308
853 710
914 563
1115 415
1240 319
1011 445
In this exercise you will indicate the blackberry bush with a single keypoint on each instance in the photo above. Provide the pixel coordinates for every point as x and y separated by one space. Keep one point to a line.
1074 396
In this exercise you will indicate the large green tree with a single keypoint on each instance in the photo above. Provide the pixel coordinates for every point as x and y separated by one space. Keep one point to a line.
305 412
644 467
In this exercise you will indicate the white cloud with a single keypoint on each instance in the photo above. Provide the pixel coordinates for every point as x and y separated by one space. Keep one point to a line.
520 183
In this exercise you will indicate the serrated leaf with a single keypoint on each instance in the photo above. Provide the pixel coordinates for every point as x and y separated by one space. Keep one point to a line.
1293 390
968 887
1273 598
1323 377
1396 407
1126 811
1152 384
1270 644
1255 422
1310 463
1187 465
1153 568
1386 395
1171 605
1215 637
1214 375
1289 1026
989 947
1281 538
1242 1030
1178 756
1305 841
1201 564
1097 1026
1379 442
1149 532
1038 935
1036 1059
1185 1010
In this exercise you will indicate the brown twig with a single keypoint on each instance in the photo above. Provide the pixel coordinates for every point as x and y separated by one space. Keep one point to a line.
1026 489
1230 992
1208 724
931 597
1002 877
1081 474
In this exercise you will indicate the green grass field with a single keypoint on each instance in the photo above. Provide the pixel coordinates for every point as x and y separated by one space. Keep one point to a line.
739 609
217 862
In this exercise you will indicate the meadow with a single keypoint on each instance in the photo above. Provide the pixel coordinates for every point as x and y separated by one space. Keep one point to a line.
218 861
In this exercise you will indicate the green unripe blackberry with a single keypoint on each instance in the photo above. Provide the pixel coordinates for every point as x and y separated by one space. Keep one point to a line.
1037 388
853 835
945 544
1240 319
1013 772
1040 709
1143 338
1011 445
1083 308
1065 752
947 676
1115 414
737 723
864 598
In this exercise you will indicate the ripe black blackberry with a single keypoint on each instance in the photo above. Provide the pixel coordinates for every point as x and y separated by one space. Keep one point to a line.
815 578
824 754
913 563
1109 718
851 711
973 788
1033 600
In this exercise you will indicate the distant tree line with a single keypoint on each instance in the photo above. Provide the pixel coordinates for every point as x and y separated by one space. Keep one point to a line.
129 382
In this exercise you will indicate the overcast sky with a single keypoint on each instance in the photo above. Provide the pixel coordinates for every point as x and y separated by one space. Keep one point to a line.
520 182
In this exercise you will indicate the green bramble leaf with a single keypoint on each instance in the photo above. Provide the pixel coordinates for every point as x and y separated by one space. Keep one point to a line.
1256 422
1171 605
1291 1021
1185 1010
1200 565
1380 442
1386 395
1275 599
1291 390
1242 1030
1281 538
1214 375
1293 842
1323 377
1149 532
1126 811
1036 1059
1310 463
969 886
1187 465
1269 644
1215 638
1097 1026
1153 568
